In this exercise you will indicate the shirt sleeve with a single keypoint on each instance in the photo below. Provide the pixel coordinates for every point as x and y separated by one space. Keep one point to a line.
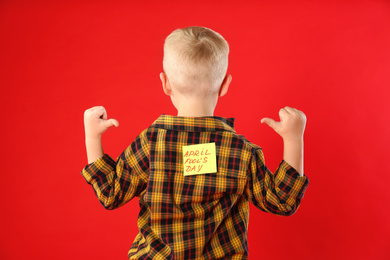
117 182
278 193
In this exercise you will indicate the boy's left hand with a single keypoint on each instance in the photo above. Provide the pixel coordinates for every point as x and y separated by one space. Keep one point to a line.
291 128
291 125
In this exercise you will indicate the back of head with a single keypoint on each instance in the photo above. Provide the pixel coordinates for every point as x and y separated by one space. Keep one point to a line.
195 60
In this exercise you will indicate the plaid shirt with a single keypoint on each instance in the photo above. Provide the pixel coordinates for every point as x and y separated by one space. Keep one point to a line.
201 216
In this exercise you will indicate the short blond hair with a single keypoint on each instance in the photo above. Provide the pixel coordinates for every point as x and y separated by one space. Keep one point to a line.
196 60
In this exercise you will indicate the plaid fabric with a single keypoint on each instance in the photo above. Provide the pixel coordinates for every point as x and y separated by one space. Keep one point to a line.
200 216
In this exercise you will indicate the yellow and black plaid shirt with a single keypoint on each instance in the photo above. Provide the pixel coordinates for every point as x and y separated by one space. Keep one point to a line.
199 216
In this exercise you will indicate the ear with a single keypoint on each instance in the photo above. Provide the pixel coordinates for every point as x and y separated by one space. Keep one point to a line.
225 85
165 84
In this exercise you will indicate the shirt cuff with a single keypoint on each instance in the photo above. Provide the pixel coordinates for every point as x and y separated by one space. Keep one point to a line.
102 166
291 182
289 169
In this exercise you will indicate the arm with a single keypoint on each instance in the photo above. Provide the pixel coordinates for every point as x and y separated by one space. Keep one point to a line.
291 128
95 124
114 182
280 192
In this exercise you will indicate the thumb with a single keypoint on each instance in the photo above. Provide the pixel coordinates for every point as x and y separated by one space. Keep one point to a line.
271 123
111 122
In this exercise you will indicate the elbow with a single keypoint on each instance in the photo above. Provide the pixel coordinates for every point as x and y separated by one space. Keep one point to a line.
288 213
105 205
289 210
284 210
108 203
108 206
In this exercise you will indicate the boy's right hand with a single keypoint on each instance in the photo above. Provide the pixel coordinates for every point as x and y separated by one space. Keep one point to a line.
291 126
96 122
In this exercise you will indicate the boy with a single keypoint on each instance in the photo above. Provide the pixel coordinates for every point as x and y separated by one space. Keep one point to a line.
193 174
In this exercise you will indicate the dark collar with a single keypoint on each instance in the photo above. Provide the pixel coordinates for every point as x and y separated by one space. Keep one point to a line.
195 124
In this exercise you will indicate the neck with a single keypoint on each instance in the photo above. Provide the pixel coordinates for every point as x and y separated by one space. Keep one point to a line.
194 112
196 108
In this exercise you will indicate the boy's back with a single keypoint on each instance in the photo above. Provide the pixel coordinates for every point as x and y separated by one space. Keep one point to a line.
199 216
202 216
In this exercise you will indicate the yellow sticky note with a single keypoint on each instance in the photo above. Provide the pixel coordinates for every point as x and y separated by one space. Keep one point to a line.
199 159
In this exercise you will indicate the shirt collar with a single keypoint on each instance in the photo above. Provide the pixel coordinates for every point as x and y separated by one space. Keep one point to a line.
195 124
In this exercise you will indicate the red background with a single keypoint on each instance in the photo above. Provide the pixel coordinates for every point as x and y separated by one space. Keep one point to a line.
330 59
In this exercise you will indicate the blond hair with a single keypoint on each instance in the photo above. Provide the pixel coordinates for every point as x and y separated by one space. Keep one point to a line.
196 60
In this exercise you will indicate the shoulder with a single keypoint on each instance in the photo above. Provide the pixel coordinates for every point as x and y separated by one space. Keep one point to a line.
248 144
139 145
